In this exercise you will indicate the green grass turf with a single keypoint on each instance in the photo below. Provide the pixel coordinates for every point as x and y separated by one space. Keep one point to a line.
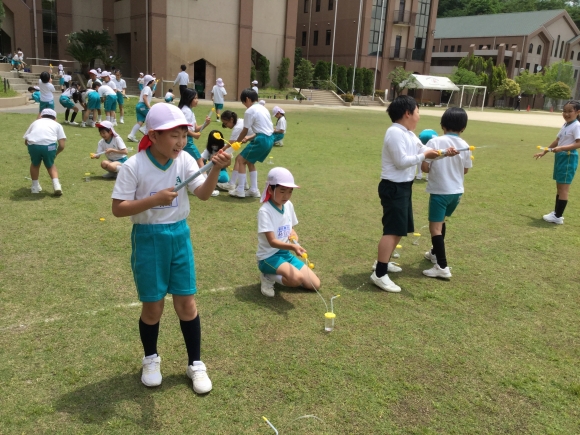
493 350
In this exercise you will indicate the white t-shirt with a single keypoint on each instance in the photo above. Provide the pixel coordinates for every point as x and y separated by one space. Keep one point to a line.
140 178
67 78
106 91
219 92
181 79
270 219
402 150
140 80
257 117
238 129
46 90
119 84
446 174
69 92
111 84
148 92
44 131
168 95
255 88
90 83
116 143
281 124
189 117
567 135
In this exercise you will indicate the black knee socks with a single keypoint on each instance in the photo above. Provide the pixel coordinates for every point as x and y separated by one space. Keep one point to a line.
560 207
382 269
149 334
191 330
439 250
443 228
556 205
74 115
66 112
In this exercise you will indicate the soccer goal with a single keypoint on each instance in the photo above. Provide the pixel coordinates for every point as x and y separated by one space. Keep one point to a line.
467 96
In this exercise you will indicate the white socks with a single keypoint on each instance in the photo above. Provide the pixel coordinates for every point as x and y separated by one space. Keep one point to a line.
234 178
117 168
135 129
254 180
54 181
108 118
241 182
278 279
35 183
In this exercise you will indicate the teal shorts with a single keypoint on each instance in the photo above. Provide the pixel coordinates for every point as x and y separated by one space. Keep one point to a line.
565 165
46 105
258 149
94 101
120 99
42 153
441 206
218 106
224 176
277 137
271 264
162 261
61 81
141 111
110 103
191 149
121 160
66 102
169 100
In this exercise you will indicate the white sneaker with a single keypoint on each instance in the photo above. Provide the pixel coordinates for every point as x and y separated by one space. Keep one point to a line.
279 144
549 215
553 219
57 188
198 374
392 267
237 193
431 257
122 121
385 283
142 130
92 124
151 376
132 138
267 285
73 123
215 193
437 272
254 193
114 123
226 186
83 125
65 122
246 186
37 189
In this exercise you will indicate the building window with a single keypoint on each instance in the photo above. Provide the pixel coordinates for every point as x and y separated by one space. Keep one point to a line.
433 49
459 48
539 51
452 48
315 37
303 39
578 57
421 24
328 34
561 49
330 5
49 29
556 46
531 48
305 6
317 5
572 56
445 49
527 66
535 68
481 47
377 27
575 74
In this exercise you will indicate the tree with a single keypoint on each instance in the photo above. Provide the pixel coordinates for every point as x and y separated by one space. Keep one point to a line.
297 58
1 12
321 70
462 76
283 70
359 81
482 7
559 72
341 78
252 73
368 81
304 73
86 46
349 76
558 91
400 79
531 84
263 69
509 88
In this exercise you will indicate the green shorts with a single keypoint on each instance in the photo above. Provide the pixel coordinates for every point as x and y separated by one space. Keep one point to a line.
110 103
42 153
218 106
258 149
565 165
162 261
120 99
271 264
141 110
66 102
94 101
441 206
397 207
46 105
191 149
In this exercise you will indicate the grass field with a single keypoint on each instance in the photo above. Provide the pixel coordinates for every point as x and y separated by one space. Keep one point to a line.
493 350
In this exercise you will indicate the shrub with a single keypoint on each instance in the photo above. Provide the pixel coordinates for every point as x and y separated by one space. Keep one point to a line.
283 69
348 98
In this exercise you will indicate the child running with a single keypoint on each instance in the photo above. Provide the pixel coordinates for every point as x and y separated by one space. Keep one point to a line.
445 186
186 103
566 159
46 90
45 140
68 101
113 147
142 107
280 128
402 151
218 93
276 219
162 256
230 120
260 144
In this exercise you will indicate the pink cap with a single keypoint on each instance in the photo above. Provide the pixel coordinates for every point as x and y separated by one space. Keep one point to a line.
255 82
94 71
162 116
262 102
148 79
277 110
281 176
109 125
105 74
220 83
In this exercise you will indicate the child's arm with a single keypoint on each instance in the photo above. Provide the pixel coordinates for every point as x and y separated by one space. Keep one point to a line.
242 135
279 131
248 138
220 160
543 153
61 144
199 127
571 147
425 166
145 100
278 244
124 208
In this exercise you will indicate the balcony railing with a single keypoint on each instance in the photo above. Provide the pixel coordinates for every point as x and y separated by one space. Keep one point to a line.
404 17
400 53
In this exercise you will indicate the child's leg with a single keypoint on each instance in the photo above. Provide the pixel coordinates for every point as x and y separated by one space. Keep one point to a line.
186 310
241 179
290 276
53 172
387 246
438 240
149 325
135 128
253 176
34 172
561 199
75 111
66 113
111 166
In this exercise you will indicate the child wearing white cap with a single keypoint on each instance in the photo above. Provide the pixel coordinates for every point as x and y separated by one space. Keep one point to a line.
162 256
140 81
217 95
113 147
280 128
255 86
68 101
61 77
276 219
45 139
121 86
108 94
143 106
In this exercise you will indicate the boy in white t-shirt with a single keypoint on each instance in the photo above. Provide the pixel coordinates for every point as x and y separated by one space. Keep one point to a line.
121 86
45 139
108 94
113 147
46 89
162 255
276 219
445 185
218 93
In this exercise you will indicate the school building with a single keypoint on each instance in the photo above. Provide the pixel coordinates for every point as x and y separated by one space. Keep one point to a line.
388 34
214 38
522 41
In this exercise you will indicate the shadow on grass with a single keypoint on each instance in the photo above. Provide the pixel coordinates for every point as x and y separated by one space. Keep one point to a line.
23 194
538 222
252 294
100 402
361 282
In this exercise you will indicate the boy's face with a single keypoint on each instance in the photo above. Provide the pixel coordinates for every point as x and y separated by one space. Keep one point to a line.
105 134
412 119
247 102
169 143
280 195
118 75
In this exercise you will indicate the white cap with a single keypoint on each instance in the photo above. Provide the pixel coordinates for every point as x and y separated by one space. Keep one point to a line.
94 71
140 74
220 83
148 79
162 116
37 88
281 176
262 102
109 125
48 112
277 110
255 82
105 74
99 69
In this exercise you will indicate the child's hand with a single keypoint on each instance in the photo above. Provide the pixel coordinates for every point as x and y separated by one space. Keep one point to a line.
557 150
165 197
299 250
221 159
431 154
450 152
540 155
207 120
244 140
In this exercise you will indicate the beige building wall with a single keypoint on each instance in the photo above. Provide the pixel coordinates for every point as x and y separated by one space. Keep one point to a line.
8 27
268 28
122 14
204 30
87 15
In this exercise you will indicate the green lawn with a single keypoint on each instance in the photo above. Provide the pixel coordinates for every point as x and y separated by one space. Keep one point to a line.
493 350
